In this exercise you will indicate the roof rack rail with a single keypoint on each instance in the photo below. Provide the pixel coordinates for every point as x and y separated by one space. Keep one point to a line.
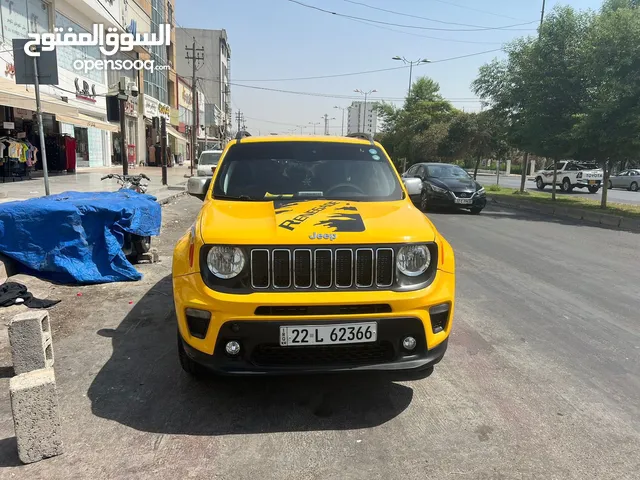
241 134
362 135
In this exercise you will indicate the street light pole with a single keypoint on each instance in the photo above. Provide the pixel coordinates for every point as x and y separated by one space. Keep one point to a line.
314 126
411 63
366 94
343 110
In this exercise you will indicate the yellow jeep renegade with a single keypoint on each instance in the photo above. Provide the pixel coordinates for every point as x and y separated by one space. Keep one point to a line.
309 256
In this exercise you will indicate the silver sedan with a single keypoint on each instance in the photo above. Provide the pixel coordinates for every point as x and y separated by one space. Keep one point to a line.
629 179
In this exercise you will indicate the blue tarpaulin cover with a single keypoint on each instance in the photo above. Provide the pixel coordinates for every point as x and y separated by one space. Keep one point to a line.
77 237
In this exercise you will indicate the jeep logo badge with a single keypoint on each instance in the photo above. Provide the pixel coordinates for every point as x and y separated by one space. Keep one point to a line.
323 236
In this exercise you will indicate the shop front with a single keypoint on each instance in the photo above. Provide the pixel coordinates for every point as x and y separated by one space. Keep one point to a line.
152 110
131 138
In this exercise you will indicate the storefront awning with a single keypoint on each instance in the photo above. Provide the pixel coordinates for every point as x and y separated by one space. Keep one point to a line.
176 134
17 96
81 120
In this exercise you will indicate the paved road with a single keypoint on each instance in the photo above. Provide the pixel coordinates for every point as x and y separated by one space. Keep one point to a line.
541 379
614 195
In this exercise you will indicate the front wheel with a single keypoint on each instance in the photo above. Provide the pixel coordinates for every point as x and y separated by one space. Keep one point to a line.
475 211
594 189
633 187
188 365
424 202
539 183
566 186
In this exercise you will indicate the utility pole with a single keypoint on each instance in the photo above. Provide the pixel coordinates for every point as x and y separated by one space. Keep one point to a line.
240 120
122 100
163 148
194 55
43 149
301 127
541 18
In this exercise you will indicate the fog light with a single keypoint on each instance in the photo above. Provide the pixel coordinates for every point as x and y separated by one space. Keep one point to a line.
409 343
232 348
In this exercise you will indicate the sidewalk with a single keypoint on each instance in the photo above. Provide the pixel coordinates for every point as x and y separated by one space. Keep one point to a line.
88 180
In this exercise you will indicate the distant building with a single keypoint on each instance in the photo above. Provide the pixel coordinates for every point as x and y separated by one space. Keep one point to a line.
213 77
359 121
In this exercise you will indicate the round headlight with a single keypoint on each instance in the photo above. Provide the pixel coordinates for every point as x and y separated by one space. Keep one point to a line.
225 262
413 260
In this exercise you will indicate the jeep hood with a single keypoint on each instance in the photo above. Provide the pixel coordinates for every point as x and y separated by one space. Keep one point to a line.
301 222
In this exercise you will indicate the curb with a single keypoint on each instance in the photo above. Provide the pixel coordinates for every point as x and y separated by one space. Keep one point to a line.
586 217
172 197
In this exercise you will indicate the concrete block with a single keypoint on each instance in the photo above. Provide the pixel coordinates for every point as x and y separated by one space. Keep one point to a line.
610 220
152 256
592 217
30 339
34 403
628 223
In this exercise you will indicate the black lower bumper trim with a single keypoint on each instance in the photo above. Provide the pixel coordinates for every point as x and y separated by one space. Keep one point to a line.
262 355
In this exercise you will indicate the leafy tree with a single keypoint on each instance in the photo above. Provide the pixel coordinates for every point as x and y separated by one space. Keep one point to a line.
537 90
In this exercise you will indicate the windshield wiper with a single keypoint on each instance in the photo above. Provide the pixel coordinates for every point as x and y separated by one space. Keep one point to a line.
244 198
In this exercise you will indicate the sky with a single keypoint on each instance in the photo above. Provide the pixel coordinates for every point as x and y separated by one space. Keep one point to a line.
275 40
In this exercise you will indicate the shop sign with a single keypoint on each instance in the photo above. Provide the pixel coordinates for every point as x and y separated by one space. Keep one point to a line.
131 107
175 116
22 113
164 110
10 70
8 125
84 92
185 96
150 107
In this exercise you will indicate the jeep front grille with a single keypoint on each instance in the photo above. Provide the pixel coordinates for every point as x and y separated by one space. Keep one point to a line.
322 268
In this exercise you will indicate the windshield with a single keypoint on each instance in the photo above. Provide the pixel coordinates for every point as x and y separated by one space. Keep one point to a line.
209 158
446 171
258 171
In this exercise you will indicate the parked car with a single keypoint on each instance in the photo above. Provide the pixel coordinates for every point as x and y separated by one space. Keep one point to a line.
208 162
571 174
308 256
446 185
629 179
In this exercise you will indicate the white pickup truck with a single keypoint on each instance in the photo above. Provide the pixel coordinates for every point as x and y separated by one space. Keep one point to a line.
570 175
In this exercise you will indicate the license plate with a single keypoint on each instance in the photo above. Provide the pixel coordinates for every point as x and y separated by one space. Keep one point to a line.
464 201
592 182
291 336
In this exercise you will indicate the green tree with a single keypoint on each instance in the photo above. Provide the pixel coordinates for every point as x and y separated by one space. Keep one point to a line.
537 90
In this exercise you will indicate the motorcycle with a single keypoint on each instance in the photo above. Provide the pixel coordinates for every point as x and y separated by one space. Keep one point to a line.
134 245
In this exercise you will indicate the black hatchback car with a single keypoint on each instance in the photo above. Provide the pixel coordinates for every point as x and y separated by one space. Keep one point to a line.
446 185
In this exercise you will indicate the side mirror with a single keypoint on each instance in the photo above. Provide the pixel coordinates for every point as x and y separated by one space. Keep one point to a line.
413 186
198 187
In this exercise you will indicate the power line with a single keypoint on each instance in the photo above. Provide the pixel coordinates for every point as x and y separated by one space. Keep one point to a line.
478 10
412 26
366 71
421 18
425 36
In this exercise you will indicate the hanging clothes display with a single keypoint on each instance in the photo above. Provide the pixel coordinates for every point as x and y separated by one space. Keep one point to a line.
17 157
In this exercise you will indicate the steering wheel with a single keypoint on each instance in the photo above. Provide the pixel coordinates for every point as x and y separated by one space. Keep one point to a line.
346 185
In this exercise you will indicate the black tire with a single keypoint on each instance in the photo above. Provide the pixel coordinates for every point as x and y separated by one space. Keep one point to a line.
566 185
633 187
610 185
540 183
475 210
142 245
594 189
424 202
194 369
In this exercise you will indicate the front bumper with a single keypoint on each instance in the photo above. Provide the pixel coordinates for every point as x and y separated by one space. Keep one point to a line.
447 199
234 317
262 355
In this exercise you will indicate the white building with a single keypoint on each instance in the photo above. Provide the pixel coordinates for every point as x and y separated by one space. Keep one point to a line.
359 121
